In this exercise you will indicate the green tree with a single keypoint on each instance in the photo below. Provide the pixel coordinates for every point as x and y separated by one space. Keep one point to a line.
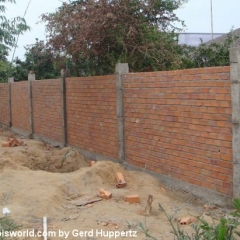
10 29
5 66
95 35
207 54
37 58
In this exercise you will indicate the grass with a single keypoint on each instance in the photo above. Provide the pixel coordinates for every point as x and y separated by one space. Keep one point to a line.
7 224
227 228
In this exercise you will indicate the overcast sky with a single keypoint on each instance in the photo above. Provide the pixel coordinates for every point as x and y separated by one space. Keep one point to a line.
196 14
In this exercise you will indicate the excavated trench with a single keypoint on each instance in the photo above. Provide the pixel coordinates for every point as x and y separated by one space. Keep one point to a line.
56 160
40 157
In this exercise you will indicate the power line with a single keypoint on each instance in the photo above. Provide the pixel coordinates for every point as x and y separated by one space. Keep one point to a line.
19 32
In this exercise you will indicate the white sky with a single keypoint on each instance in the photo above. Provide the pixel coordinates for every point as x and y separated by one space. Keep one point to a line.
32 17
196 14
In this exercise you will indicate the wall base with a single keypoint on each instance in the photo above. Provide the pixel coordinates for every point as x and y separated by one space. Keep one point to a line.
94 156
200 192
49 141
20 132
33 136
4 126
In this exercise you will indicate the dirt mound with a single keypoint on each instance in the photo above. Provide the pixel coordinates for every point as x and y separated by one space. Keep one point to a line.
102 173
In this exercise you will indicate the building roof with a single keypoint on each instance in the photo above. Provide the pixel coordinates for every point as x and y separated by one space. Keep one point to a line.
195 39
221 39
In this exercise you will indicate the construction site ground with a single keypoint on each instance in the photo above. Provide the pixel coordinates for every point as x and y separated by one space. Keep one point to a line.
39 180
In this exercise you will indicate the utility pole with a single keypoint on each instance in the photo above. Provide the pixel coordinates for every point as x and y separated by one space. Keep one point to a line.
211 19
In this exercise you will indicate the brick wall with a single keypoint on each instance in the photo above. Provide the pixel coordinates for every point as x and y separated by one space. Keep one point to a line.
20 106
4 106
47 109
178 123
91 114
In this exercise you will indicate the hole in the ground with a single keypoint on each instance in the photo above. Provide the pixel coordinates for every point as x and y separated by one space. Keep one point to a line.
61 161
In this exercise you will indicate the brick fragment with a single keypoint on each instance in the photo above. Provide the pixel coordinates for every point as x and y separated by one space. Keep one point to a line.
14 142
5 144
186 220
104 194
120 180
91 163
132 198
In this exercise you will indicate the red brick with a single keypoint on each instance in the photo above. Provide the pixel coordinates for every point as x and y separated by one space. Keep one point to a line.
120 180
132 198
104 194
6 144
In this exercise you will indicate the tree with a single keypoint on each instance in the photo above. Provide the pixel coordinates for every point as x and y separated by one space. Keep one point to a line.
96 34
5 66
10 29
208 54
37 58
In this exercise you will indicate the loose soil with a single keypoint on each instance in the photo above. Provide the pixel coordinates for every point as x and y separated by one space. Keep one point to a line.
38 180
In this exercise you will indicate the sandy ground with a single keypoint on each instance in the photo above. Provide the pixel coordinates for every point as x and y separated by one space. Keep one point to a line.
37 181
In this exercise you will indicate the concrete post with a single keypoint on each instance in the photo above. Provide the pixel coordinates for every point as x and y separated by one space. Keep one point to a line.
64 73
10 80
235 95
120 69
31 77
